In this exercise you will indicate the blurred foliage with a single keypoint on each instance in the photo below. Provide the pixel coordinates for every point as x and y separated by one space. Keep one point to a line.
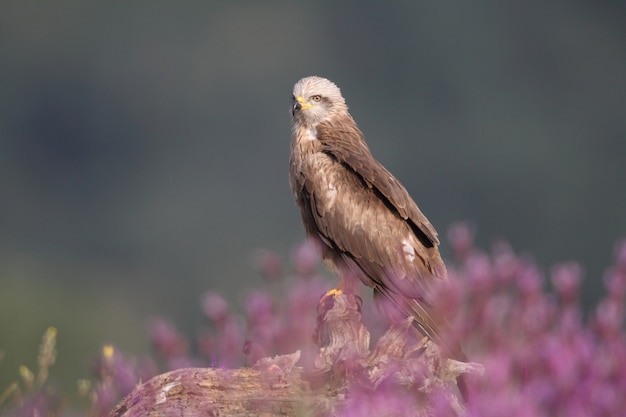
542 357
144 146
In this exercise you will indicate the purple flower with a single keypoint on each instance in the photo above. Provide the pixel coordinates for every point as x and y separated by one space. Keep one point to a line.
215 307
306 258
461 238
269 264
166 340
566 279
542 356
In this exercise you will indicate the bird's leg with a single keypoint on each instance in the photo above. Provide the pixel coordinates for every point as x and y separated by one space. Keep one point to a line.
347 284
334 292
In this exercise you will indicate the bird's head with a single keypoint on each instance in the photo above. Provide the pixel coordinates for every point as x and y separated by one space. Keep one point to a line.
316 99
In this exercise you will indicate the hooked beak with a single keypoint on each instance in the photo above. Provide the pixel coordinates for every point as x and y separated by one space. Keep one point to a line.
296 107
299 104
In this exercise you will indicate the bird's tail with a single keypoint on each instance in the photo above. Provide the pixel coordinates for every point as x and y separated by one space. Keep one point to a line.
437 328
430 323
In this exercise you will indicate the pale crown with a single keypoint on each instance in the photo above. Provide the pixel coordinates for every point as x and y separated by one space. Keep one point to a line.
314 100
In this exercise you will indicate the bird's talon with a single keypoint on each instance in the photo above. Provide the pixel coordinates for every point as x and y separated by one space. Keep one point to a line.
328 299
333 293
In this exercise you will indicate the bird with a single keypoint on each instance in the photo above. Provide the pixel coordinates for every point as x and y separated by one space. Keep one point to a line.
367 225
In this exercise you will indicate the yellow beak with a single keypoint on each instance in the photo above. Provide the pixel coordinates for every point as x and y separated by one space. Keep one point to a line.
303 105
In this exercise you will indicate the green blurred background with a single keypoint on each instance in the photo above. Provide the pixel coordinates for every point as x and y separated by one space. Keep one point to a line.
144 145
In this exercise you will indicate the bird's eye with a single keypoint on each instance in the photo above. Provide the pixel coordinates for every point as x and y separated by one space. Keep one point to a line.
316 98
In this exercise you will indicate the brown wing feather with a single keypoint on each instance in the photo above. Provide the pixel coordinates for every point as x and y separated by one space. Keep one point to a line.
363 215
343 139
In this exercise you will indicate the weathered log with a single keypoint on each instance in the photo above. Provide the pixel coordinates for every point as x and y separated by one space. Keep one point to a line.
344 367
220 392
